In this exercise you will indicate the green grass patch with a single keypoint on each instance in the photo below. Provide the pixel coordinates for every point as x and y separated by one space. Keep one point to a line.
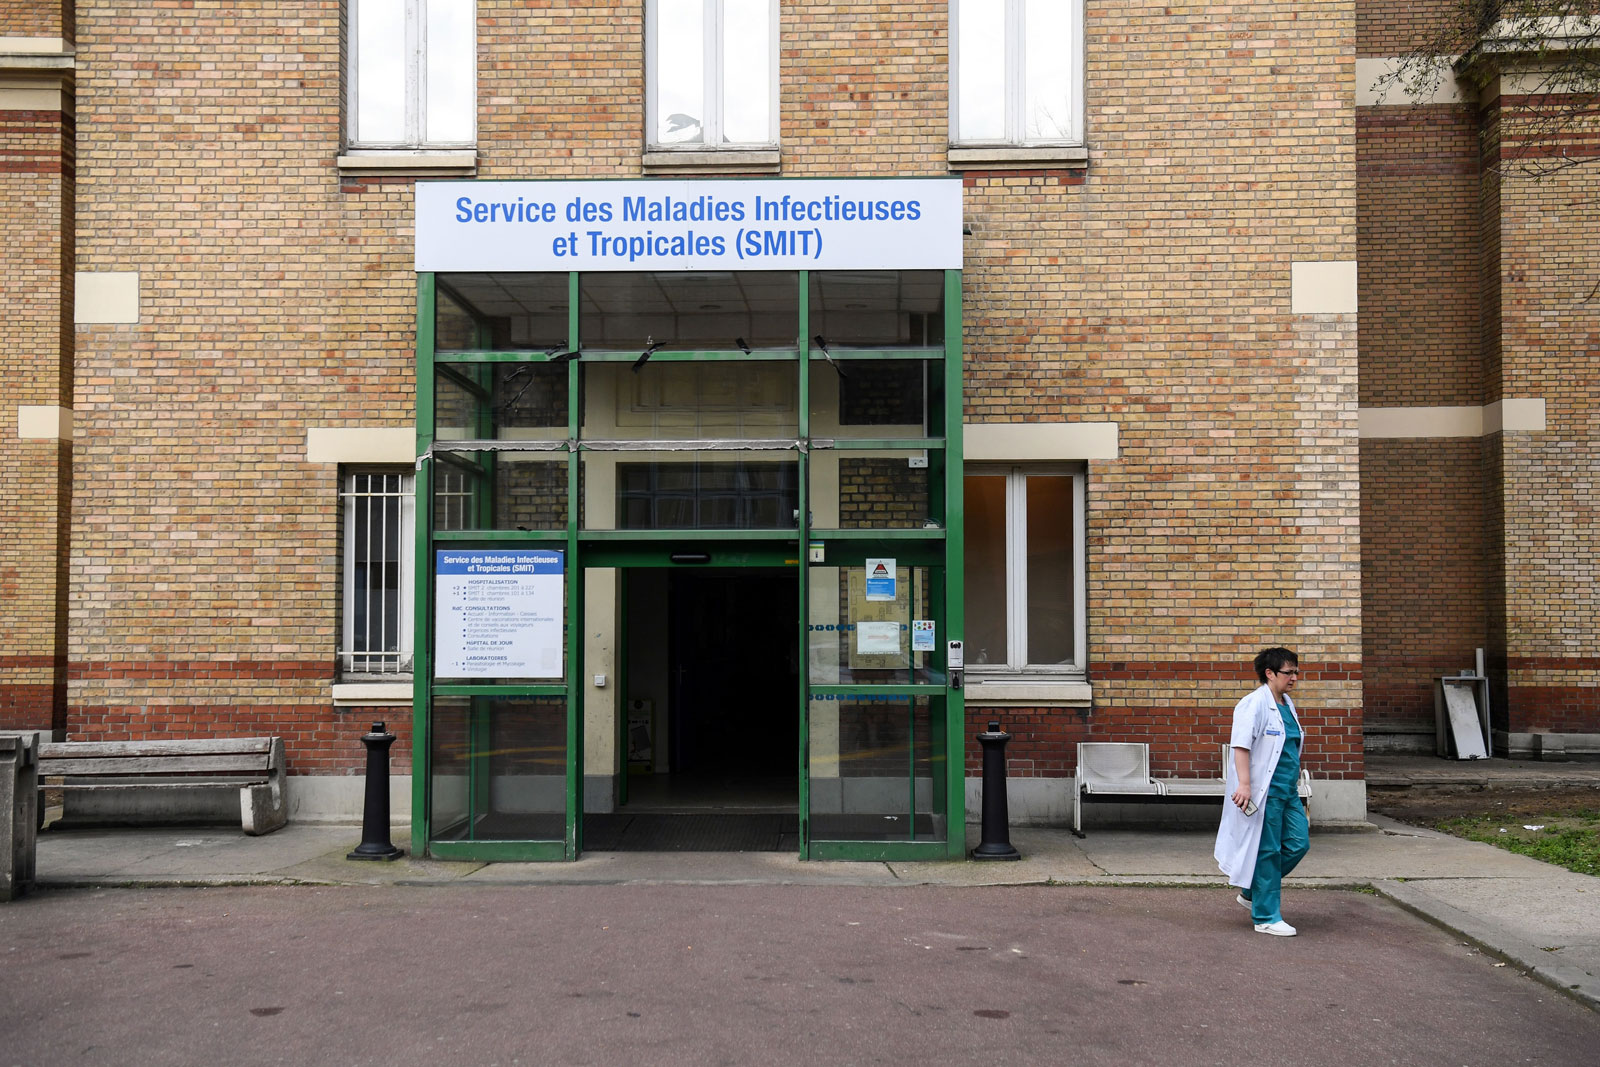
1569 839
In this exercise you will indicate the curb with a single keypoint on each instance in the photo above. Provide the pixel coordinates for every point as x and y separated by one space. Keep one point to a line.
1494 940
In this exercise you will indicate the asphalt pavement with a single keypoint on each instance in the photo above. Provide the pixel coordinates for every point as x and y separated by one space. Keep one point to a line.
1539 919
162 945
472 971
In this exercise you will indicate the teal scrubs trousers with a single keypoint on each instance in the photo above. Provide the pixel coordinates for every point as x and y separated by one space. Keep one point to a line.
1286 833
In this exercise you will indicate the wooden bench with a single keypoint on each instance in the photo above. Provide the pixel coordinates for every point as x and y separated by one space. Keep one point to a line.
252 765
1121 770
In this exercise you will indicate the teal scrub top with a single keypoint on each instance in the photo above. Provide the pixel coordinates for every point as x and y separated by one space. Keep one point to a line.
1286 778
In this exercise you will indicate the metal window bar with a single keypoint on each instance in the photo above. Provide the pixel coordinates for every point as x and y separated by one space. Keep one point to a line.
454 501
378 512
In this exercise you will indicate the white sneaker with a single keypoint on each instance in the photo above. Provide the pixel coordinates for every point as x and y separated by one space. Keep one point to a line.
1239 899
1277 929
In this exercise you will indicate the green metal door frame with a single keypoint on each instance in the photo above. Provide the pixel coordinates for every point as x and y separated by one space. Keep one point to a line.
939 547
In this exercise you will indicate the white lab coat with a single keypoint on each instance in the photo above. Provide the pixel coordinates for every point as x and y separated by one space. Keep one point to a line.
1258 727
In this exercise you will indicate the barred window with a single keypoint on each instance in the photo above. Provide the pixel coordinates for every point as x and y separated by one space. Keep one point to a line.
379 517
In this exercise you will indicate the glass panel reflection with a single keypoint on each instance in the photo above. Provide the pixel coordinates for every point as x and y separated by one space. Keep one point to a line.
380 49
500 491
680 72
508 312
490 401
746 73
1050 569
730 495
854 637
692 400
873 769
452 81
1047 74
985 497
878 309
720 311
981 71
498 768
877 398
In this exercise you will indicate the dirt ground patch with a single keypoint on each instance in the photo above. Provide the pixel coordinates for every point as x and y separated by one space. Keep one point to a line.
1423 806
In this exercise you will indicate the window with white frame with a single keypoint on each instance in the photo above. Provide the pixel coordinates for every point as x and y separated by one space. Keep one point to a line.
378 513
412 74
712 73
1016 72
1024 570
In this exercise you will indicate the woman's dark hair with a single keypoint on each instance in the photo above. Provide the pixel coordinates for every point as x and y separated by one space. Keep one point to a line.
1274 659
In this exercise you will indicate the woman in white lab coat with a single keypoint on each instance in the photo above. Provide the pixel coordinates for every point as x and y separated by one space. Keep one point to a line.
1264 831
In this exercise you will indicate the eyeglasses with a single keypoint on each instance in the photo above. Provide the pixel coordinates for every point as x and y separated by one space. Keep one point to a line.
1290 670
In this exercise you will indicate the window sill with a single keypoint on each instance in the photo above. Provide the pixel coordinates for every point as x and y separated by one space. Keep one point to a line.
713 161
369 161
1034 691
371 694
1023 157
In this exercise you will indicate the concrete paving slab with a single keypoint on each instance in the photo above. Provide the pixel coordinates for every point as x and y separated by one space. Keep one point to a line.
1047 856
684 868
1547 926
154 855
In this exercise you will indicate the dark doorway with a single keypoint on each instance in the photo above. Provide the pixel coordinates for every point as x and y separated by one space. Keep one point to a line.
734 668
720 648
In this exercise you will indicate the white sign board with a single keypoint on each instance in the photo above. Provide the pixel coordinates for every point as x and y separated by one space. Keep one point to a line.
723 225
878 638
498 613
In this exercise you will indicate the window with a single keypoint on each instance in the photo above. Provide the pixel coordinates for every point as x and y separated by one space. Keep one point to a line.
713 73
1025 573
378 513
413 73
1016 72
707 496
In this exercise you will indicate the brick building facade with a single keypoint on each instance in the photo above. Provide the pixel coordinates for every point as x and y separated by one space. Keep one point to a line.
212 323
1477 392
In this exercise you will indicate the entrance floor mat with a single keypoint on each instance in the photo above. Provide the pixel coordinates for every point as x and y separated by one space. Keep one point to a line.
624 832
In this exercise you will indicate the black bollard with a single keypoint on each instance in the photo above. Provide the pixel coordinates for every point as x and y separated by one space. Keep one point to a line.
996 844
375 843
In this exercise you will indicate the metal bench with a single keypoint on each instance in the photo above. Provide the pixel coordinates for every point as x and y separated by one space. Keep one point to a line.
1121 769
252 765
1111 769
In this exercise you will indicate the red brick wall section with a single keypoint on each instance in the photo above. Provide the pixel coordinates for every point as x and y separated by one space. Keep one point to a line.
33 18
1425 574
1417 205
313 742
36 161
1184 736
1396 27
1549 334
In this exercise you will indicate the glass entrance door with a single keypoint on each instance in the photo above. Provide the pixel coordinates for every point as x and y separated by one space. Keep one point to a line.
573 428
